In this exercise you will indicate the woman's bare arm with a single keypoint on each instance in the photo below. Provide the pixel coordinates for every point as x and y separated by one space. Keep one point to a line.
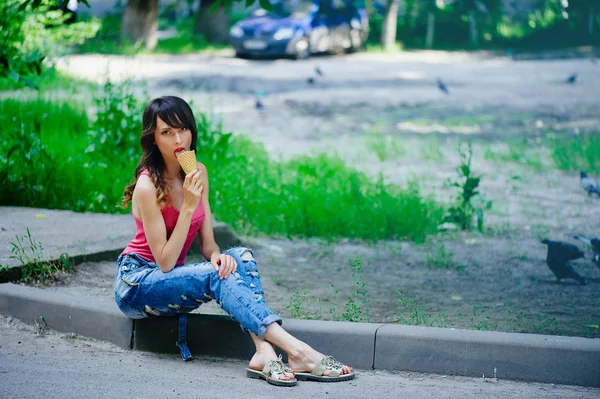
208 245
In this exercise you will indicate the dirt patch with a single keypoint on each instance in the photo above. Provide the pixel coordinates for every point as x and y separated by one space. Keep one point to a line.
463 281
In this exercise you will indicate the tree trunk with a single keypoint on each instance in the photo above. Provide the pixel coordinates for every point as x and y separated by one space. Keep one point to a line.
388 31
473 29
430 29
140 22
214 26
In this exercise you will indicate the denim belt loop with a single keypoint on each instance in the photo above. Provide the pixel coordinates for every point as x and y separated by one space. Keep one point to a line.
181 341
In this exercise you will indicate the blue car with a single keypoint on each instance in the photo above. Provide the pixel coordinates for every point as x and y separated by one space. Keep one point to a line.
298 28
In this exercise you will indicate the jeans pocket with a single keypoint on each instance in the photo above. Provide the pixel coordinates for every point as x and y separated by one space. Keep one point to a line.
126 285
134 277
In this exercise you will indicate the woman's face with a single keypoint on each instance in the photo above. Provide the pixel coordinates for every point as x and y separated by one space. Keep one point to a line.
170 140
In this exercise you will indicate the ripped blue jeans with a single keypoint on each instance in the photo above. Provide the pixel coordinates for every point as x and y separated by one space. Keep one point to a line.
142 290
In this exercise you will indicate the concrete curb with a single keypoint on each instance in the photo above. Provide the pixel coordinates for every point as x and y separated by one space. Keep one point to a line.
512 356
218 335
67 313
528 357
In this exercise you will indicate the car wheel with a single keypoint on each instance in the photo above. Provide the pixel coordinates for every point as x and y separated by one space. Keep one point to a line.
241 55
302 49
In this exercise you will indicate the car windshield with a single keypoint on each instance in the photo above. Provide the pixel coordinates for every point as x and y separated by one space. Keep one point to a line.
293 8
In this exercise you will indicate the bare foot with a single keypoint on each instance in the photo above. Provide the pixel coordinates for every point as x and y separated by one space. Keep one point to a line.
262 357
305 360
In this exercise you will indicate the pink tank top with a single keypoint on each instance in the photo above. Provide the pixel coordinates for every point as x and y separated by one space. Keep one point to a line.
139 244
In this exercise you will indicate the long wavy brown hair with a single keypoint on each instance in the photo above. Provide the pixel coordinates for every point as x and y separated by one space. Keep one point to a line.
176 113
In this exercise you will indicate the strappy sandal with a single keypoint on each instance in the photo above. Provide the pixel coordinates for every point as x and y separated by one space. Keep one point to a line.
327 363
272 372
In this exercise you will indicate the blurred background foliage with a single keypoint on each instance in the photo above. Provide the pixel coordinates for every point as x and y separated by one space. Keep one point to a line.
34 32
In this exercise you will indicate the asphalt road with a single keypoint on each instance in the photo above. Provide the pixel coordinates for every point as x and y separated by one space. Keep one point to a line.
41 363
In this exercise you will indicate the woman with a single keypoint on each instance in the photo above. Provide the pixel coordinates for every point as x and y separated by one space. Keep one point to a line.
152 279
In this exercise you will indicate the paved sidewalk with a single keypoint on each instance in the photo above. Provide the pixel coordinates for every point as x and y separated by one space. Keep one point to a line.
75 233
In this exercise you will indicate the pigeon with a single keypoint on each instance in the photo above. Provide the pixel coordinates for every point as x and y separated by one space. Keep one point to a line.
594 243
442 86
588 184
310 81
572 79
319 71
559 255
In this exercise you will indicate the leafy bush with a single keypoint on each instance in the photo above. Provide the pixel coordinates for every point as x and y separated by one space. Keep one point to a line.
34 36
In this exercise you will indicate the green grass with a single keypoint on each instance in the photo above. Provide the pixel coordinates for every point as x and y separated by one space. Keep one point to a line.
186 41
397 47
431 150
517 151
43 162
569 153
384 146
34 264
315 196
576 152
54 157
49 80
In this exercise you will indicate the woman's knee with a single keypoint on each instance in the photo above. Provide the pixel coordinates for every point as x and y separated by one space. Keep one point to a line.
243 256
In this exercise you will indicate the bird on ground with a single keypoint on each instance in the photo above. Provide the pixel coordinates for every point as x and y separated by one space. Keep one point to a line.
558 257
594 243
588 184
258 104
572 78
319 71
442 86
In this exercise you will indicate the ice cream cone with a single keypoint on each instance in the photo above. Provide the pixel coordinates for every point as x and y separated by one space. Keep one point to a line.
187 160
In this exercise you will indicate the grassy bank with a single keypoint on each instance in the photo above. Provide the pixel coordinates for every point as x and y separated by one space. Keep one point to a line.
56 157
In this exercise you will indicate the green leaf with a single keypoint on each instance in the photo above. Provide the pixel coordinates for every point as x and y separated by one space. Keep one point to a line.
30 84
23 5
14 76
266 4
215 6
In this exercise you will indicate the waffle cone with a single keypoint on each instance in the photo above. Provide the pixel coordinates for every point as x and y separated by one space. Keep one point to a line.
187 160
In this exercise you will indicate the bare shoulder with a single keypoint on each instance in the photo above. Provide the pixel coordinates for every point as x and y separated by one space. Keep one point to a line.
144 186
144 191
144 195
202 168
203 171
